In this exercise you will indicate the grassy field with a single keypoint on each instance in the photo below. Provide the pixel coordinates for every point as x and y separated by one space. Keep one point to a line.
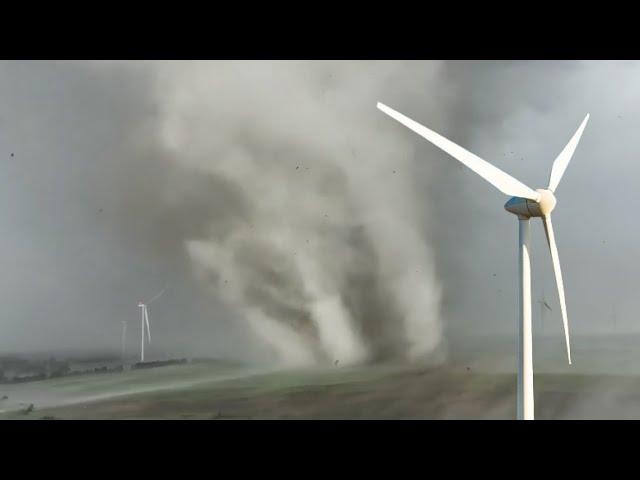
206 391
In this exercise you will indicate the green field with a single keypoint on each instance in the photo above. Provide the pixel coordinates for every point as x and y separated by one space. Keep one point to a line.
209 391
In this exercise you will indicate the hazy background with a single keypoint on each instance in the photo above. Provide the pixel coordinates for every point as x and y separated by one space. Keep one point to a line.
291 220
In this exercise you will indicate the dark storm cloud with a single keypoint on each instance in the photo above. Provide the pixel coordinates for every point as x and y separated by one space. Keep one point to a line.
127 176
325 204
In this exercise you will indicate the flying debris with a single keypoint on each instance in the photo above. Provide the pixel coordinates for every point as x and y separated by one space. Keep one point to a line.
543 304
525 203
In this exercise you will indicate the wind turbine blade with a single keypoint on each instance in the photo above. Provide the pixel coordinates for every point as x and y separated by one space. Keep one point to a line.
496 177
551 241
146 319
157 296
562 161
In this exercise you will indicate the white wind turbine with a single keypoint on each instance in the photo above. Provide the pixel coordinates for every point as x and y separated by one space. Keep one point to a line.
144 320
525 203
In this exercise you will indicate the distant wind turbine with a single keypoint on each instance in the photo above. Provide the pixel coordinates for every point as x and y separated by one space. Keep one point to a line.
525 203
144 321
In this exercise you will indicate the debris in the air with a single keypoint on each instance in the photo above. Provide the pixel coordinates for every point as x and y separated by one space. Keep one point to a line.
336 362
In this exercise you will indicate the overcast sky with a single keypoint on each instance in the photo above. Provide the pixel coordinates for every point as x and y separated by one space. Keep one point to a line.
120 178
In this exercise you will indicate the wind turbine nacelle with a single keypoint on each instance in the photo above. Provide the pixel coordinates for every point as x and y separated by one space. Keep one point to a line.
523 207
